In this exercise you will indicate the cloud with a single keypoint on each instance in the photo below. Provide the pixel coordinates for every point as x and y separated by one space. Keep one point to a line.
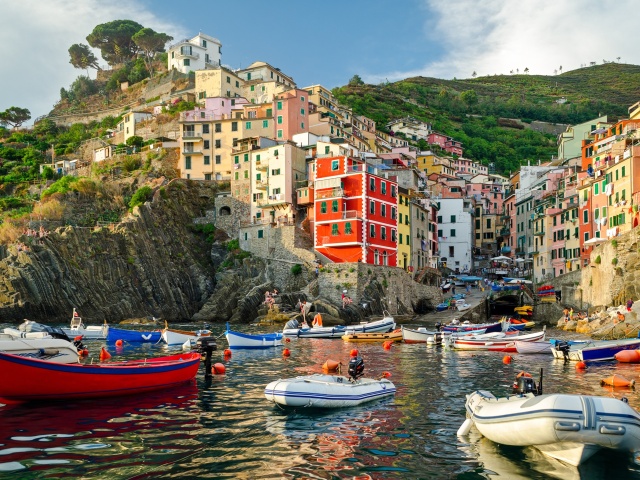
36 36
497 36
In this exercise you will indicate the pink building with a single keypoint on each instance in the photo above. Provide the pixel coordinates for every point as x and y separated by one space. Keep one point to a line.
291 114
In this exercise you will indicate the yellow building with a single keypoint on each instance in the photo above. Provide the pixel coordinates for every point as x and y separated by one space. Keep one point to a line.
404 229
429 163
219 82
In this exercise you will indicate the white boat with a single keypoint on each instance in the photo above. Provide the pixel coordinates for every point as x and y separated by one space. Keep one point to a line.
500 342
238 340
462 306
327 391
570 428
180 337
385 325
88 333
422 335
594 350
55 350
539 346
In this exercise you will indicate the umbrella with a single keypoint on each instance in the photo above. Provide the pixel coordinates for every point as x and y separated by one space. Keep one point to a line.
517 280
502 258
595 240
519 260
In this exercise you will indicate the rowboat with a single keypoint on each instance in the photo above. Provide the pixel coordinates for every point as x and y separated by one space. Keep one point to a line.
179 337
26 379
56 350
133 336
384 325
92 332
239 340
327 391
539 346
594 350
570 428
422 335
467 327
394 336
504 344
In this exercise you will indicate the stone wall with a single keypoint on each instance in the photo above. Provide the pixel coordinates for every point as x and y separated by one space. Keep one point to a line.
275 243
228 214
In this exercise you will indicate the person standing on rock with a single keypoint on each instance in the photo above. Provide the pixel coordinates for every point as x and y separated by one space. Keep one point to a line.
306 308
629 305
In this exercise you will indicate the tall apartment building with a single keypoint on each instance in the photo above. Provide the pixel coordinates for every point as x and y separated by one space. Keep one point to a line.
198 53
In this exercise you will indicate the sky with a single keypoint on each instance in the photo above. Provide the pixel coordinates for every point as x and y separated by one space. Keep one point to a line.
326 42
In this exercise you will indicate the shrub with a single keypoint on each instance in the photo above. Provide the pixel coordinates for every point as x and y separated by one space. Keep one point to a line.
143 194
614 261
233 245
131 163
352 269
296 269
597 260
61 186
135 140
614 243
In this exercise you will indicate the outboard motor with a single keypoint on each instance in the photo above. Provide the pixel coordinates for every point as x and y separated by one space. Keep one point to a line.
77 342
292 324
524 384
356 368
205 346
564 347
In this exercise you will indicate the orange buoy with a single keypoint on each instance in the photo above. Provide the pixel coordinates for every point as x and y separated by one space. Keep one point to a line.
354 353
104 355
523 374
581 366
331 366
386 374
77 338
227 352
218 369
507 359
628 356
118 343
84 352
287 340
387 345
617 381
286 352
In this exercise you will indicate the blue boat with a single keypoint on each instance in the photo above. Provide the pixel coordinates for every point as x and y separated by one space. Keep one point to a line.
133 336
595 350
238 340
441 307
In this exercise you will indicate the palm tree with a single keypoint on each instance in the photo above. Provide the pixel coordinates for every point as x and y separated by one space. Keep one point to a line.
618 58
526 70
474 74
560 68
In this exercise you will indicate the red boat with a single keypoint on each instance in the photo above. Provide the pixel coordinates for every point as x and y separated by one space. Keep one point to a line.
26 379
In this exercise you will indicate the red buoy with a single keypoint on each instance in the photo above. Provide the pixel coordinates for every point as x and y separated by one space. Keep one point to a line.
104 355
507 359
354 353
218 369
84 352
581 366
227 353
386 374
286 352
387 345
119 343
287 340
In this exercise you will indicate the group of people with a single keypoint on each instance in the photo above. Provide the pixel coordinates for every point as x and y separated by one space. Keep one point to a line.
269 298
346 300
38 234
569 315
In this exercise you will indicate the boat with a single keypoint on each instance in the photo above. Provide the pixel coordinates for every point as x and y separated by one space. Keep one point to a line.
538 346
27 379
45 347
92 332
569 428
133 336
394 336
495 344
441 307
463 306
239 340
468 327
422 335
385 325
593 350
179 337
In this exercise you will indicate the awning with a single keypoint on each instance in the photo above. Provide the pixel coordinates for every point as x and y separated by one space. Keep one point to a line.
595 240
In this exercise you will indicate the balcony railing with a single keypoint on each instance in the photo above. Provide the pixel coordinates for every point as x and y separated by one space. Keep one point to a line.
260 165
191 135
261 185
191 151
329 193
272 200
505 231
538 233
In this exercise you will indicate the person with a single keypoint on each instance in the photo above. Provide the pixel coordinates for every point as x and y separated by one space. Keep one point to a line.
629 305
275 292
566 315
620 318
306 308
346 300
571 314
468 288
453 289
317 271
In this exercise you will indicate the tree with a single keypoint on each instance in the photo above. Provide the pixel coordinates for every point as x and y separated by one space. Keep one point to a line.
470 97
14 116
150 42
560 68
82 57
114 39
526 70
355 81
474 74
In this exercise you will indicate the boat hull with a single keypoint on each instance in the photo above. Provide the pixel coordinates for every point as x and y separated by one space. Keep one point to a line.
539 346
88 333
597 351
384 325
133 336
34 380
327 391
505 344
239 340
180 337
569 428
53 350
489 327
395 336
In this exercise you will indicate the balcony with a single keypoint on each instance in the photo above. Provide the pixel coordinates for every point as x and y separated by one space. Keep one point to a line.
191 137
263 166
538 233
191 151
272 201
520 251
504 231
261 185
329 193
341 239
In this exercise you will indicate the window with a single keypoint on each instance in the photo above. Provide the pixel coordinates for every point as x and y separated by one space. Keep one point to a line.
253 88
488 223
269 112
265 124
302 111
260 233
393 235
453 219
218 159
323 207
372 184
622 174
237 84
383 188
206 145
246 174
478 236
247 125
334 206
453 232
187 163
477 224
383 210
334 229
302 125
372 208
400 241
439 218
399 218
393 213
279 119
335 164
596 188
234 126
393 191
383 233
218 127
275 153
187 62
237 176
205 128
301 98
228 79
275 171
236 159
372 231
279 106
585 216
207 160
440 233
218 143
246 157
451 252
347 228
280 134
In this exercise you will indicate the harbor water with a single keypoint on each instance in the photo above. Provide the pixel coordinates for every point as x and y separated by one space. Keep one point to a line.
225 428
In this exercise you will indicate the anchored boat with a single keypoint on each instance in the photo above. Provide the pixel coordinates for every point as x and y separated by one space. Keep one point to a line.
395 336
91 332
385 325
239 340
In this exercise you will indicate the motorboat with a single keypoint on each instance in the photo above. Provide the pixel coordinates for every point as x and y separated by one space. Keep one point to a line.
593 350
538 346
394 336
44 347
133 336
467 327
385 325
329 391
172 336
495 344
91 332
422 335
570 428
27 379
238 340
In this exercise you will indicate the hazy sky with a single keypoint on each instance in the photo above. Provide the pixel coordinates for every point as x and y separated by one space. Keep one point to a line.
326 42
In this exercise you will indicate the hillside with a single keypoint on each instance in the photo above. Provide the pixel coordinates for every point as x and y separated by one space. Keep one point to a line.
468 110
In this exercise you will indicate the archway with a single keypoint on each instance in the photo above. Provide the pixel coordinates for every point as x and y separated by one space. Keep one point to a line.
225 211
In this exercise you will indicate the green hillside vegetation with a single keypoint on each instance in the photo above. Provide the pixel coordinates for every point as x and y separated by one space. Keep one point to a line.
469 110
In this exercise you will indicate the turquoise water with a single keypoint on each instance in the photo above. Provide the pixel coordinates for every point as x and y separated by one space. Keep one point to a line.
225 428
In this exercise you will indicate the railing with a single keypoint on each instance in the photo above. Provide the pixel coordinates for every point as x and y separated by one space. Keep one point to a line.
505 231
260 165
197 116
191 135
261 184
271 200
330 193
191 151
538 232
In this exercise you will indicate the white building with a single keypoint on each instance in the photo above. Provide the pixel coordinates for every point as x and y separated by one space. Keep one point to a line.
455 233
414 129
199 53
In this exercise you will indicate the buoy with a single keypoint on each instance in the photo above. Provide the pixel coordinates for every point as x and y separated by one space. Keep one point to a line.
617 381
581 366
227 353
523 374
85 352
354 353
387 345
628 356
104 355
386 374
286 352
287 340
218 369
465 427
77 338
507 359
118 343
331 366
